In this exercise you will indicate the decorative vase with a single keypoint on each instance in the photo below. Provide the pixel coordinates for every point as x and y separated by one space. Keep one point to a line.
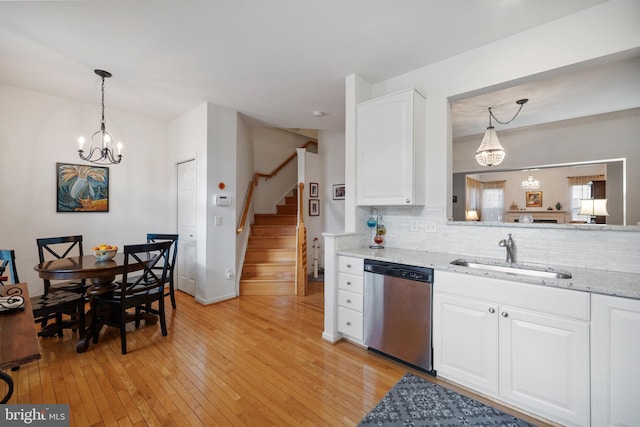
558 206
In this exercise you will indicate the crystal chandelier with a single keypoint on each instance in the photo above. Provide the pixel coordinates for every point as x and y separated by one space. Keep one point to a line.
530 184
490 151
101 146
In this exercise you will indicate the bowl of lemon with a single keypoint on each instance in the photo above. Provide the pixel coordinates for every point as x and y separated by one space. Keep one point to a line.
104 252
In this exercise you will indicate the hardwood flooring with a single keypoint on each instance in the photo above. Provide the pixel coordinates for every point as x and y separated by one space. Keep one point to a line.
253 360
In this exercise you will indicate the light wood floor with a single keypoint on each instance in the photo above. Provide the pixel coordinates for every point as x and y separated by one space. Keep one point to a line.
252 361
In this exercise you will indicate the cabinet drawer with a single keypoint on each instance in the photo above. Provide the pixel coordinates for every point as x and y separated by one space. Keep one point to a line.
351 265
350 323
350 282
350 300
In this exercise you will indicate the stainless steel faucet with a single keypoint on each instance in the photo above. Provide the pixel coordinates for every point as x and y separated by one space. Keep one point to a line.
510 245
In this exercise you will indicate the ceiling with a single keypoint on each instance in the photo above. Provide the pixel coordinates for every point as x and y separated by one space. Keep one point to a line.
598 87
276 61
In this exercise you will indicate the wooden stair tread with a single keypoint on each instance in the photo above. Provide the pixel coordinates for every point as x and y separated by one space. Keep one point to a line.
270 259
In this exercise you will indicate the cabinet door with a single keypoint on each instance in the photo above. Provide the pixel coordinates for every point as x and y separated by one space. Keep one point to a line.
544 365
387 150
465 342
615 376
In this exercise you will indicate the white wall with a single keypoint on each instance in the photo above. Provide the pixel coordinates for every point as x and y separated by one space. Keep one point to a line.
271 147
310 170
607 29
331 150
188 134
39 130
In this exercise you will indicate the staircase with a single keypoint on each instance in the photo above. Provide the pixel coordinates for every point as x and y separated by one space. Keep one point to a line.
270 261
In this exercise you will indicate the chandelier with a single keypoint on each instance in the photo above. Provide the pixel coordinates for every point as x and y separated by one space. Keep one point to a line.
530 184
101 145
490 151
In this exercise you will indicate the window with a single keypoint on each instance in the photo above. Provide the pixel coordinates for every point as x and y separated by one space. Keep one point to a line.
492 204
579 192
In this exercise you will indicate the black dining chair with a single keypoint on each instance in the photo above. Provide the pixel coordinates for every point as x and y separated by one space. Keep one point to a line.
57 248
136 291
173 253
51 305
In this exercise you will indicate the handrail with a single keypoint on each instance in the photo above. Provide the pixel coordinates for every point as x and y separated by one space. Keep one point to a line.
255 180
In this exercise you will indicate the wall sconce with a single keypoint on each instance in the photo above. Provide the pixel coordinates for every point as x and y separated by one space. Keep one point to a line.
593 208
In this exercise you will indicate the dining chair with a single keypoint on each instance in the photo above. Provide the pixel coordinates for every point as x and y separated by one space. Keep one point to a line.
136 291
51 305
61 247
173 253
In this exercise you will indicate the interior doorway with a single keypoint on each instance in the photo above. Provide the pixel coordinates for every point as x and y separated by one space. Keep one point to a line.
187 227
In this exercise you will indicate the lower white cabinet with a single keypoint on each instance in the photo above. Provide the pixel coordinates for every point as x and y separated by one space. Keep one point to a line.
350 297
615 367
524 344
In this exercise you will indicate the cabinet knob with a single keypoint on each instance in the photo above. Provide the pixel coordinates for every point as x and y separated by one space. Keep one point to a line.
348 265
348 282
348 323
408 201
492 310
505 314
348 300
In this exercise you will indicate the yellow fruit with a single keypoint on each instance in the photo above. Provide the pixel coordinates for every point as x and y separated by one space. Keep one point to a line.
95 248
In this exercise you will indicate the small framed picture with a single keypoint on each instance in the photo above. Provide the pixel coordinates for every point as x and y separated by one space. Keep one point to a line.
313 189
314 207
338 192
534 199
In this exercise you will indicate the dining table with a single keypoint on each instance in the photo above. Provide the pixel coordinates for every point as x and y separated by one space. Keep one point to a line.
101 275
19 342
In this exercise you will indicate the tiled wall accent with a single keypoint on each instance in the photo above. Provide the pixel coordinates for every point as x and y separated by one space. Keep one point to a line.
617 250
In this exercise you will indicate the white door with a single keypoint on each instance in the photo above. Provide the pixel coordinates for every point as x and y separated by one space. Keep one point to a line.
465 341
544 364
187 227
615 345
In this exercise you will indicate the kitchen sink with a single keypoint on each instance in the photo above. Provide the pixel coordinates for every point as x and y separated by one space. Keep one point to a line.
515 269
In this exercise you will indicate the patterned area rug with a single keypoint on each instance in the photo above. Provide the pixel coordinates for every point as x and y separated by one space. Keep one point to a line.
417 402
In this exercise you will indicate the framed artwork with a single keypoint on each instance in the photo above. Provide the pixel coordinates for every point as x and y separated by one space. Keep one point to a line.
314 207
534 199
313 189
82 188
338 191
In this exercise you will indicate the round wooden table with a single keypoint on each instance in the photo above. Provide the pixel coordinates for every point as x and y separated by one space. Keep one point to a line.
101 274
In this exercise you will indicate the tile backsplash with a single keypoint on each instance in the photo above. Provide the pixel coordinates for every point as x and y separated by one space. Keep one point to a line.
614 249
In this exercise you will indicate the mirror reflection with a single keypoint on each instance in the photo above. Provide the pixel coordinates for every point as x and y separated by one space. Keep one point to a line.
574 156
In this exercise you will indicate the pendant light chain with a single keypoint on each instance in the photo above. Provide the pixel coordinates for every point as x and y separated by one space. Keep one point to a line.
520 102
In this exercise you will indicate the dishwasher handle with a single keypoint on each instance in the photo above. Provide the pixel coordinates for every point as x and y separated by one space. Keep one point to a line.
420 274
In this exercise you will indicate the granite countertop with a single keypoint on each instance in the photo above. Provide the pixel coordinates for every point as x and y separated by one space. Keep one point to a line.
596 281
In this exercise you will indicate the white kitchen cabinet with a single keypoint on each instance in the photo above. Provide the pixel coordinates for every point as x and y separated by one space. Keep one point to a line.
390 150
350 297
615 373
524 344
466 338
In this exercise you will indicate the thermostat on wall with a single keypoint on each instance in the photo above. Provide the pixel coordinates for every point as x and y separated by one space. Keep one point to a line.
221 200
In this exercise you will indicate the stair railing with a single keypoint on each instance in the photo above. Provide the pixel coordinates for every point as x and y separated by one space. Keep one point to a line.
256 179
301 246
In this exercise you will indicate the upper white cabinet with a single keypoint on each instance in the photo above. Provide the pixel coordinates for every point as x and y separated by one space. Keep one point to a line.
390 150
615 376
527 345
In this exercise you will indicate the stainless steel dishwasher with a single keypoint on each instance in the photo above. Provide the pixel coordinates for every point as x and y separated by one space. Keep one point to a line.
397 312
